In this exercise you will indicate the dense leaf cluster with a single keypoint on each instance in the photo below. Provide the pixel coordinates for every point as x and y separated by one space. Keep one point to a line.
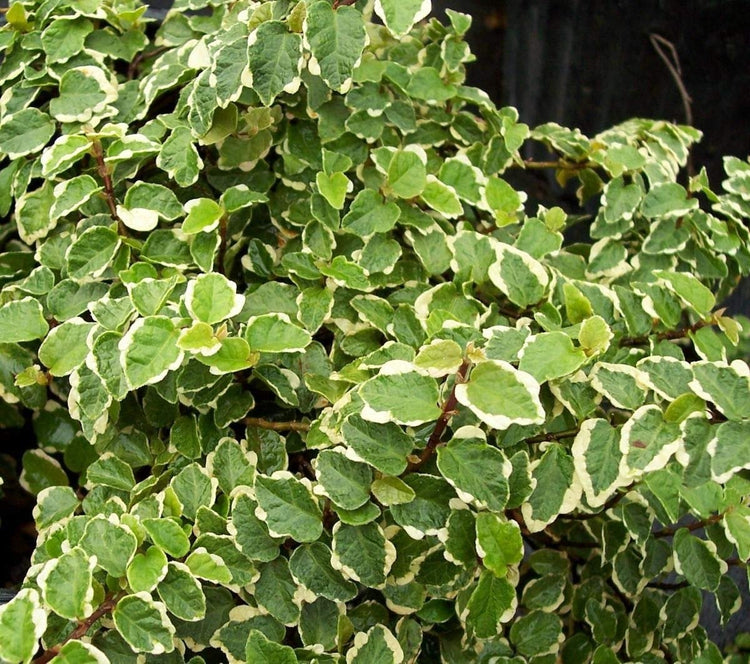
313 382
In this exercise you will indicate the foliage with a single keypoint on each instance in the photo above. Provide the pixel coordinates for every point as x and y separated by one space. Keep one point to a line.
313 381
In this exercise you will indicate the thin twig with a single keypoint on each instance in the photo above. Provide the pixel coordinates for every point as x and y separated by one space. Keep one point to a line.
342 3
276 426
663 585
672 61
696 525
448 410
222 244
554 435
109 190
84 626
138 59
668 335
563 164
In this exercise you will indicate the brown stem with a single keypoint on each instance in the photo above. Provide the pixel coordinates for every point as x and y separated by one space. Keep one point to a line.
563 164
83 626
448 410
138 59
696 525
555 435
663 585
109 190
342 3
667 335
276 426
673 65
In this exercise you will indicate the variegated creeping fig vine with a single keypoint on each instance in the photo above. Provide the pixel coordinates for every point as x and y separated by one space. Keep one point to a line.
312 381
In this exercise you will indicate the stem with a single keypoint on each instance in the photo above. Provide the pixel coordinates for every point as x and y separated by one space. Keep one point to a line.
83 626
555 435
222 244
696 525
448 411
342 3
276 426
663 585
668 335
559 164
109 190
138 59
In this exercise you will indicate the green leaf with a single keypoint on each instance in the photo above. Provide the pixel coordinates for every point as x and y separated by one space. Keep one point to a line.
519 276
144 624
499 543
492 602
275 333
726 386
441 198
25 132
598 457
250 532
275 59
79 652
156 197
146 570
91 253
478 471
377 646
362 553
179 158
208 566
287 507
697 560
22 623
537 633
649 441
556 489
400 394
310 564
407 174
728 450
550 355
345 482
64 37
369 213
22 320
112 543
336 39
67 584
203 215
430 509
500 395
65 347
41 471
440 358
392 491
193 487
150 351
689 289
622 384
181 593
54 504
263 651
212 297
109 470
334 187
85 93
384 446
399 17
668 199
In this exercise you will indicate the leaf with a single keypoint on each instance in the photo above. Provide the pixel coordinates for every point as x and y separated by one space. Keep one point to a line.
697 560
667 199
149 351
334 187
519 276
649 441
203 215
440 358
22 320
492 602
275 333
275 57
500 395
146 570
384 446
400 394
689 289
112 543
430 509
25 132
550 355
310 564
85 93
377 646
598 457
726 386
499 543
362 553
67 584
399 17
369 213
194 488
441 198
144 624
728 450
212 297
181 593
263 651
336 39
91 253
109 470
286 506
65 347
54 504
407 174
537 633
179 157
392 491
478 471
156 197
23 621
79 652
345 482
